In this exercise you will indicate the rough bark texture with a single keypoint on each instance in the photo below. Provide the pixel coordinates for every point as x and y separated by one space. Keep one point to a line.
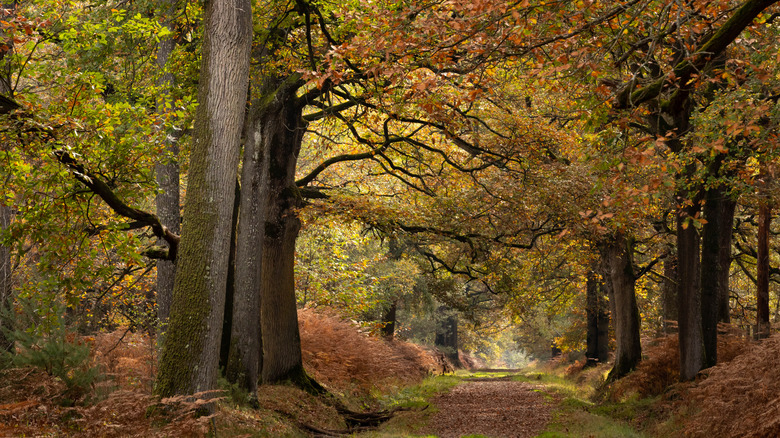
167 174
689 295
245 360
618 270
762 271
280 127
716 233
6 289
190 354
669 291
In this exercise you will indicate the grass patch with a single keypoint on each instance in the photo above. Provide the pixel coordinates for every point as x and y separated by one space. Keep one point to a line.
416 399
570 421
577 416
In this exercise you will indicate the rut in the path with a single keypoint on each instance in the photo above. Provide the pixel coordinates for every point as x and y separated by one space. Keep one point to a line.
491 407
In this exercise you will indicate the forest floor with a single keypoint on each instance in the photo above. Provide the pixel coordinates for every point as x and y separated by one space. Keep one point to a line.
740 397
508 404
491 406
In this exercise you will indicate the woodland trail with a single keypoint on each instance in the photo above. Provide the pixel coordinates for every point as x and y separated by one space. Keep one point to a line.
491 406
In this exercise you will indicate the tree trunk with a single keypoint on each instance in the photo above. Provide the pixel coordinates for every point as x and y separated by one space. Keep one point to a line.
669 292
715 259
280 127
689 294
6 288
190 354
167 174
592 315
619 271
230 285
762 270
603 333
724 245
6 212
447 335
246 351
388 320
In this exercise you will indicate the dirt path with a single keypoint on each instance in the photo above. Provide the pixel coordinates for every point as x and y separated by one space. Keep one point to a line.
494 407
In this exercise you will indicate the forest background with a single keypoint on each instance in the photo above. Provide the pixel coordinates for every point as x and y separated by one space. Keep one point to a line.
492 176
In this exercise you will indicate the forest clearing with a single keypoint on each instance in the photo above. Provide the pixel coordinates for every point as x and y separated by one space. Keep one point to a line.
389 218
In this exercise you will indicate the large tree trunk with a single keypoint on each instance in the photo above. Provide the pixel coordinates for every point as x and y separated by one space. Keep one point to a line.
715 264
167 173
190 354
280 128
246 353
618 265
689 294
6 288
724 245
762 270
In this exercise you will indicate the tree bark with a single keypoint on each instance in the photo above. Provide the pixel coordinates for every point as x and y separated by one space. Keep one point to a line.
6 212
190 354
724 245
167 174
715 264
6 287
616 254
230 285
689 294
279 127
246 354
762 270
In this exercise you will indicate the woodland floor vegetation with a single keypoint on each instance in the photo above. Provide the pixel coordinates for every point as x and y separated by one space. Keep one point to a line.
407 379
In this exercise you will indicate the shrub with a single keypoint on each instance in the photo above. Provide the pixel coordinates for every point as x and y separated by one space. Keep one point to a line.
53 349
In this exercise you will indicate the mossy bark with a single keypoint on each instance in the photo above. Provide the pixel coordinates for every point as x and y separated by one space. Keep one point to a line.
188 363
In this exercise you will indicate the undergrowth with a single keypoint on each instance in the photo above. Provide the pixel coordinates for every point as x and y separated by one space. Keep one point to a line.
354 367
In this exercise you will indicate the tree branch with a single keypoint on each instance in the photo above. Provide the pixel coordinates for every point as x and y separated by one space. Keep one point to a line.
100 188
